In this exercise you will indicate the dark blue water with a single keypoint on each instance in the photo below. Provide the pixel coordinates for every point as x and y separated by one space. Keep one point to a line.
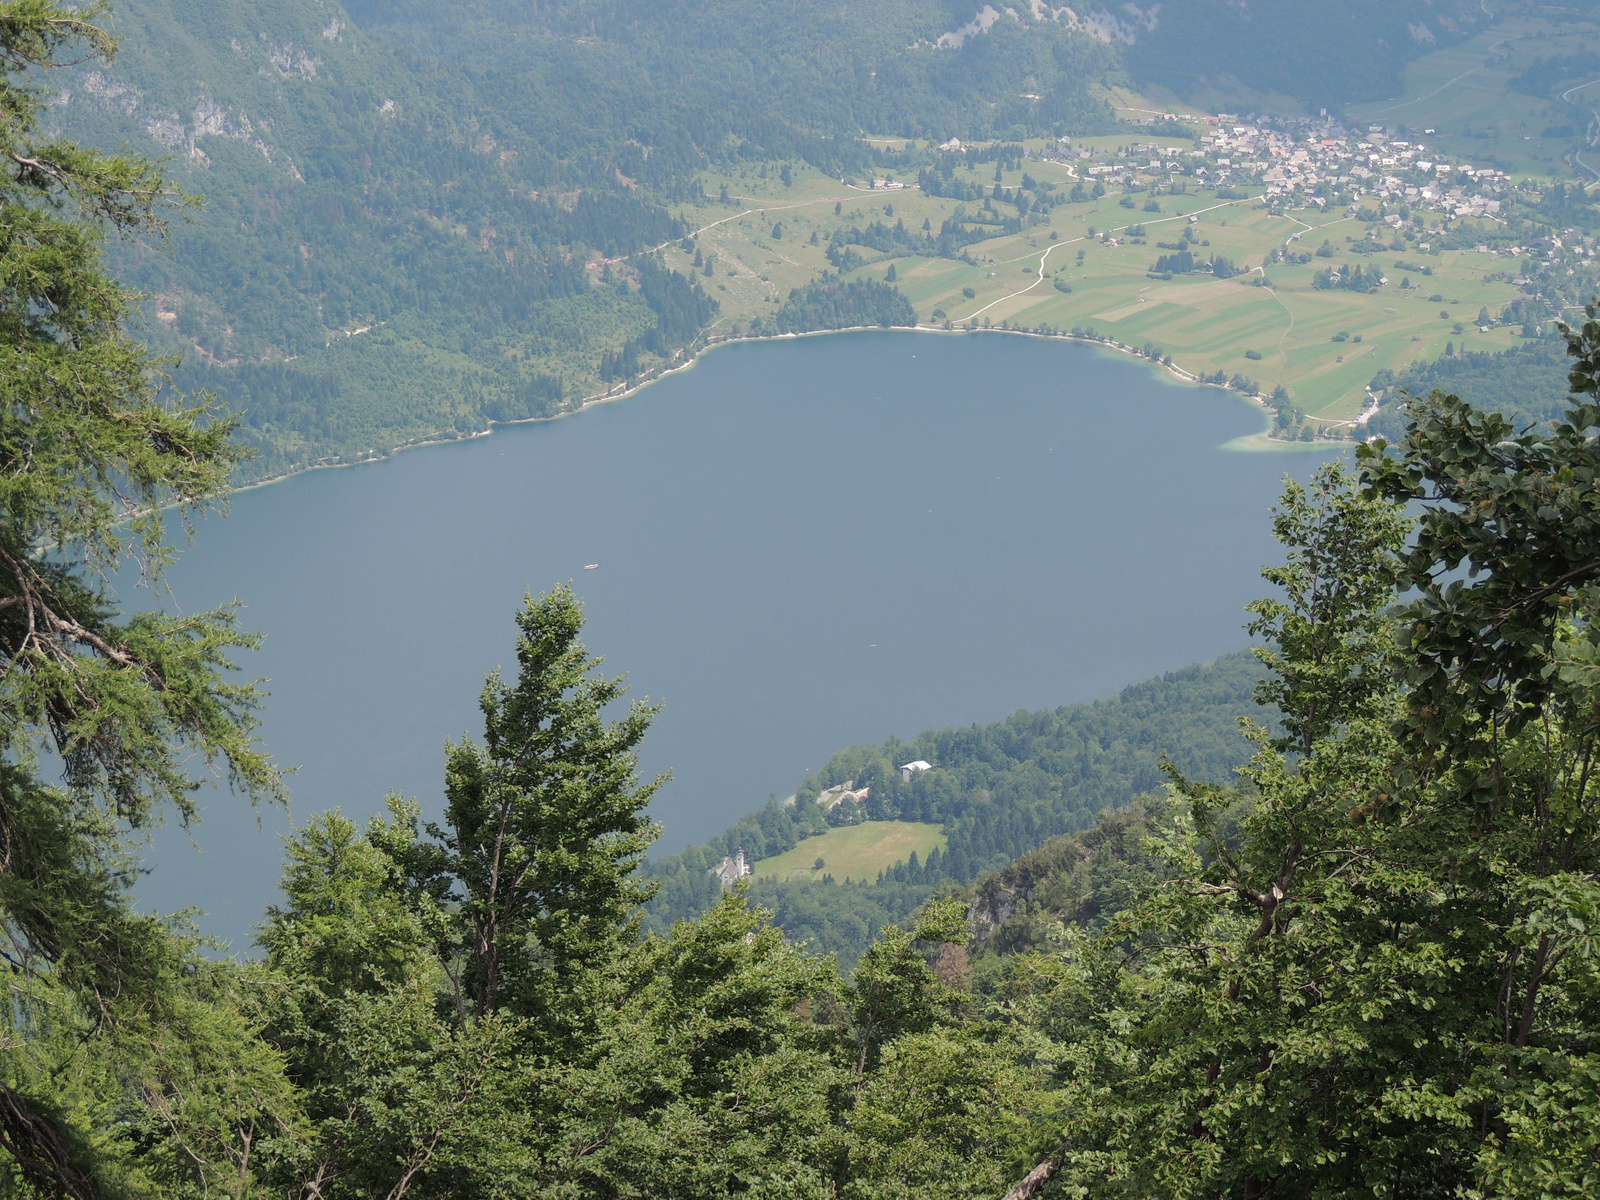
802 545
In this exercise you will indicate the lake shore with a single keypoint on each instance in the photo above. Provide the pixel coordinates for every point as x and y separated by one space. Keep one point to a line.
1250 443
908 532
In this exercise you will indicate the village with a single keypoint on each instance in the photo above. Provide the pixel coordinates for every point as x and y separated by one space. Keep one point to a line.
1312 164
1302 261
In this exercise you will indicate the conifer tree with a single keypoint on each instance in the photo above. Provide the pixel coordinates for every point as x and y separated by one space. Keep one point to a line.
95 456
544 821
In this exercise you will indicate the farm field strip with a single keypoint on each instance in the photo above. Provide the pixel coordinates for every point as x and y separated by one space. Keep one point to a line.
765 249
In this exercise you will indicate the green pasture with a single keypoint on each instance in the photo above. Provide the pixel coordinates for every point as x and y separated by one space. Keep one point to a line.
1205 324
1463 92
853 852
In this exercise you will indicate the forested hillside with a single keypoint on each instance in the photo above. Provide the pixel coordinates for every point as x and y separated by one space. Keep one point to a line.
419 218
1527 384
698 76
997 790
1323 55
377 259
1081 881
878 66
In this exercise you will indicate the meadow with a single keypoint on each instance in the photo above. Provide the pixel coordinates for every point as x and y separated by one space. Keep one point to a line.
1277 330
1464 94
857 852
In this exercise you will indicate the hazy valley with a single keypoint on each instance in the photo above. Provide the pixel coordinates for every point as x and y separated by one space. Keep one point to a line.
1133 512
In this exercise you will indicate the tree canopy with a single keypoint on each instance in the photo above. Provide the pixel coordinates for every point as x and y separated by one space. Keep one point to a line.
97 455
1368 966
1379 974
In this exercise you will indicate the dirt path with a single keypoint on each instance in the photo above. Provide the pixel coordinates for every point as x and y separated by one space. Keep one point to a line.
770 208
1493 50
1304 228
1072 241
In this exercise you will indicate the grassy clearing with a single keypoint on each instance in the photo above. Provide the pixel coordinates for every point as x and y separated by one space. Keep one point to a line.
1205 324
853 852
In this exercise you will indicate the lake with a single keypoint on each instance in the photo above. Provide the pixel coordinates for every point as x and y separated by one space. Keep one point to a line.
801 545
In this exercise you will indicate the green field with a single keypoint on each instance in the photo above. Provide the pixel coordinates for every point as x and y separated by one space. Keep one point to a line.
1463 93
1204 324
853 852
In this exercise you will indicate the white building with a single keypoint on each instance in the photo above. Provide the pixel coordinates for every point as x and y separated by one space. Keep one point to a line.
829 798
733 869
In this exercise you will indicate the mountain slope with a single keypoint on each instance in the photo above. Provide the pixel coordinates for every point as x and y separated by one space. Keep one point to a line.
999 791
1324 55
413 230
420 218
374 262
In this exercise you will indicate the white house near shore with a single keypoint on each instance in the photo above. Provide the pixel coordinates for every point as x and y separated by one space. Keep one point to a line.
830 798
907 770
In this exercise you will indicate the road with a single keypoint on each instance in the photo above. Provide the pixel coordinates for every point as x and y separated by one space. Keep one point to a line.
1577 155
1071 241
771 208
1493 50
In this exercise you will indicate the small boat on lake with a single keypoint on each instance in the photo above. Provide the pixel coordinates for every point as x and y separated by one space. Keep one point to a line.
592 567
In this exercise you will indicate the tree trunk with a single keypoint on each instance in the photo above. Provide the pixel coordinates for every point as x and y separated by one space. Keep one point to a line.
40 1151
1033 1182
